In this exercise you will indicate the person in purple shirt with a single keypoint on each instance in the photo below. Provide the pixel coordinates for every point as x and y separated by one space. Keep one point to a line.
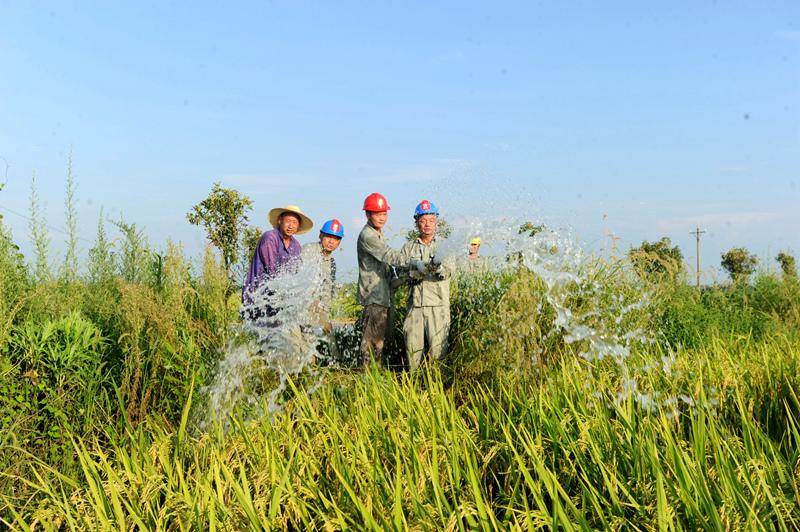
277 251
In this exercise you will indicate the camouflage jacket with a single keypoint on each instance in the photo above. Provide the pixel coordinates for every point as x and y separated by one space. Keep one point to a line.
375 261
327 270
431 289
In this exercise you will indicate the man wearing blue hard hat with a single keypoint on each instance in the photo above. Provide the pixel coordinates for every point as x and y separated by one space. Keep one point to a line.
427 321
330 236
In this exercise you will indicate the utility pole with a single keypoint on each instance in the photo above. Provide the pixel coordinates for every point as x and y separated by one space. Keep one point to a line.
697 232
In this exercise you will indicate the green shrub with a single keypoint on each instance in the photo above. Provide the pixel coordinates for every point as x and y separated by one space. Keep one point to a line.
14 284
54 383
690 318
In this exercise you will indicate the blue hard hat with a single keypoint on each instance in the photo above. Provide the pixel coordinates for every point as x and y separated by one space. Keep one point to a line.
333 227
425 207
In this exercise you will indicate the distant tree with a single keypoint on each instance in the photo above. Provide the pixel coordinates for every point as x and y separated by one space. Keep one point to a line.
443 230
657 259
250 237
531 228
788 264
739 263
223 214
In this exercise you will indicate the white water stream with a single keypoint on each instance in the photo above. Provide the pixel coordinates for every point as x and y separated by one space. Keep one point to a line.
255 367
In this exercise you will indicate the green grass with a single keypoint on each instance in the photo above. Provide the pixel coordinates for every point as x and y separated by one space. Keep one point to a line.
699 429
373 450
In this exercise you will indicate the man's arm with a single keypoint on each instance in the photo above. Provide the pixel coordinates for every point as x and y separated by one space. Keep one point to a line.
333 278
268 256
382 252
403 273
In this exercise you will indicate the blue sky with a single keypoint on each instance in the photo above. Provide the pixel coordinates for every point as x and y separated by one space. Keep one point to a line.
625 120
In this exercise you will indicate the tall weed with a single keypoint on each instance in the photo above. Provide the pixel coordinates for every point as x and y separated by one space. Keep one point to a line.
69 269
38 234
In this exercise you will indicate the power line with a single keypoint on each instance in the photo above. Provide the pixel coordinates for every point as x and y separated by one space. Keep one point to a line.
12 211
51 227
5 177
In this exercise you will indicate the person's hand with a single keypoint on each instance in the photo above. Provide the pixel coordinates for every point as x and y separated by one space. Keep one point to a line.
417 265
417 275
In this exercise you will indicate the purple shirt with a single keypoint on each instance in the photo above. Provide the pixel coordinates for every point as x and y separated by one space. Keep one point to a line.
271 257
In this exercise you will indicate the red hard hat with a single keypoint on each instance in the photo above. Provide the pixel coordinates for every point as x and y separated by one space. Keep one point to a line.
376 203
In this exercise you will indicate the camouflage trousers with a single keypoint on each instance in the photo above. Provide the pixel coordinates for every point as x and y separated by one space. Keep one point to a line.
426 326
375 322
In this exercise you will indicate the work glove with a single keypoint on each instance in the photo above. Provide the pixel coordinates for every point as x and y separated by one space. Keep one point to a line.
417 265
417 275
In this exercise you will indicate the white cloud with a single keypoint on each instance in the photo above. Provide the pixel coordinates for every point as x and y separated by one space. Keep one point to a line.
268 182
503 147
436 170
715 220
735 169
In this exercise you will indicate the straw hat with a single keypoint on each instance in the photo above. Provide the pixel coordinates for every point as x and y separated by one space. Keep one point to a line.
305 222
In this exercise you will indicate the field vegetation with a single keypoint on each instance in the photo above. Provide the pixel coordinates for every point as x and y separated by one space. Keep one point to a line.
101 370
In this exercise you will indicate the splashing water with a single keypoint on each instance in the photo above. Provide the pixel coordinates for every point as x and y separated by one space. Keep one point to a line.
286 344
604 326
279 339
559 261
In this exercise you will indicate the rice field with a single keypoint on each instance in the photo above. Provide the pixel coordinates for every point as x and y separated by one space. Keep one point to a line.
698 428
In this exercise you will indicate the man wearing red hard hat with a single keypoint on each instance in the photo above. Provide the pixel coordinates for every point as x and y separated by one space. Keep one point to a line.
375 260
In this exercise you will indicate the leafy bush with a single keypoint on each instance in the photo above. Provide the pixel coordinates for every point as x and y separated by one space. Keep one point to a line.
788 263
690 318
655 260
739 263
54 383
14 284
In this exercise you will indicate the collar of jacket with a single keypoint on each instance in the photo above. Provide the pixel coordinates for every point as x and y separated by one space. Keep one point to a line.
434 239
325 256
379 233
